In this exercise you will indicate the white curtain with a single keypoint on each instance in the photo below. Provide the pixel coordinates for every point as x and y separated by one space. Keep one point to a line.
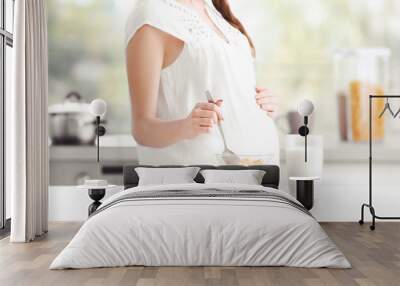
26 117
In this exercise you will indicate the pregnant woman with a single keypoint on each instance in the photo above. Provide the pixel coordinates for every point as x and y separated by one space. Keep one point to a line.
176 51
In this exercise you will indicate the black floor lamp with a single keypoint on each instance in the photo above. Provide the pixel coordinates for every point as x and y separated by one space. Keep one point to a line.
370 203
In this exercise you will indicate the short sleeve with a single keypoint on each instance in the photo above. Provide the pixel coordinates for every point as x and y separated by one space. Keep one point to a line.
164 15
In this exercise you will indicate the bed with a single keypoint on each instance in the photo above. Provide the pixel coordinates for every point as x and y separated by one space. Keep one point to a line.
198 224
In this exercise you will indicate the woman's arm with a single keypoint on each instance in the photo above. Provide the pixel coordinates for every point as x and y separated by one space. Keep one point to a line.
148 53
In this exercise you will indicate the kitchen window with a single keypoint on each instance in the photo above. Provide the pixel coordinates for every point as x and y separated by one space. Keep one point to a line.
87 55
295 44
6 44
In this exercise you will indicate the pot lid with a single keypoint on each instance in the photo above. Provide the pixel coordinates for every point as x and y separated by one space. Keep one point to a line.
69 107
72 103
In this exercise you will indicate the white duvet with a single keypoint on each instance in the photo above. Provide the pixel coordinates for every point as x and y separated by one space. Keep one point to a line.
200 232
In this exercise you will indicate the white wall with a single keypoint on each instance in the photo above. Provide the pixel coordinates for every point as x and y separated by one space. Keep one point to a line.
338 196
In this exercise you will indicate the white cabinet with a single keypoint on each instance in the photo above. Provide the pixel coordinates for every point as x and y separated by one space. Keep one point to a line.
71 165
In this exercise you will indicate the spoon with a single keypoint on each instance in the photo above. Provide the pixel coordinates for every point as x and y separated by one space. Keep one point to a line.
228 156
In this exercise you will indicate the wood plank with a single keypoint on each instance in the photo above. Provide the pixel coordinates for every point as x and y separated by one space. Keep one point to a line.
375 257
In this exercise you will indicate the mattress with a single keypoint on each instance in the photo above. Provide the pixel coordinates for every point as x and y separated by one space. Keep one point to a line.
201 225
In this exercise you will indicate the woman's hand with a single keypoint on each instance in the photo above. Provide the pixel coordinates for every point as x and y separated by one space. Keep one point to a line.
203 118
267 102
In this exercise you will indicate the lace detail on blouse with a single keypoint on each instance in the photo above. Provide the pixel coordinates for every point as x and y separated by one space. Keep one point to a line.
181 21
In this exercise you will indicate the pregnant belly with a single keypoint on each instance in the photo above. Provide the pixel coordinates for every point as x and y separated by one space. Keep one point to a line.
251 131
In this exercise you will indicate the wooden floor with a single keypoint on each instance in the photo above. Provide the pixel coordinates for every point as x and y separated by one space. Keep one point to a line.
375 257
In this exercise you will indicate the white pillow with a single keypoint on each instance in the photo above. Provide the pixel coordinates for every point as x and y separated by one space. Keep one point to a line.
248 177
166 176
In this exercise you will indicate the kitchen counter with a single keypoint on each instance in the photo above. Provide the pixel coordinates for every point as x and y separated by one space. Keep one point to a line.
338 153
359 153
113 148
89 153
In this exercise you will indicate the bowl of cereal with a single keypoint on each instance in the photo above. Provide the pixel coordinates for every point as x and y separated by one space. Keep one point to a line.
247 160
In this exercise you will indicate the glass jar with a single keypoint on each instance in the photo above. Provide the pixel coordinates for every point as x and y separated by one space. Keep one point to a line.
358 74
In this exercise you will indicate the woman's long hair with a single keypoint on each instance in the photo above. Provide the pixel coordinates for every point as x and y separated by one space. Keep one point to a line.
226 12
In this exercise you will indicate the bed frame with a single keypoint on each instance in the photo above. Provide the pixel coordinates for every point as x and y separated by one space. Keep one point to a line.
271 177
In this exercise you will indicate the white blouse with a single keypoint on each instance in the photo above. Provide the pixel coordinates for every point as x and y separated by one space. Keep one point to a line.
208 61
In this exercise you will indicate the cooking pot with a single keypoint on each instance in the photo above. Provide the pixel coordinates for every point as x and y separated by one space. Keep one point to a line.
71 123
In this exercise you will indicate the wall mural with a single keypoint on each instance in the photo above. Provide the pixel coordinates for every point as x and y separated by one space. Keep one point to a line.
296 58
